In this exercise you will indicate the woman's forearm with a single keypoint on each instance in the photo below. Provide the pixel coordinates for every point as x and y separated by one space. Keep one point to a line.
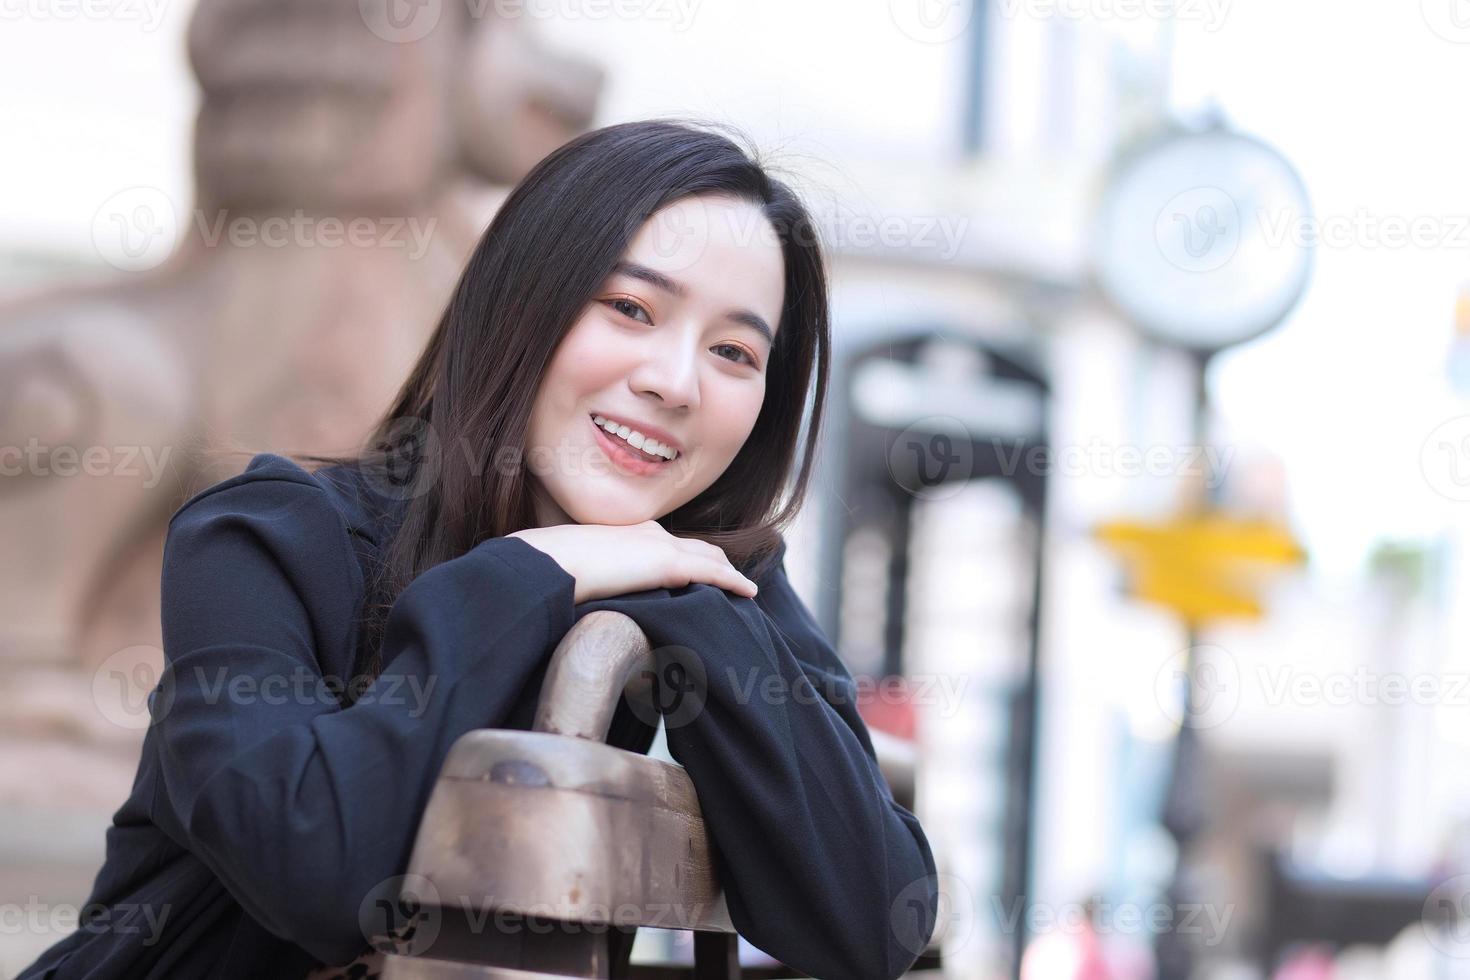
821 868
301 807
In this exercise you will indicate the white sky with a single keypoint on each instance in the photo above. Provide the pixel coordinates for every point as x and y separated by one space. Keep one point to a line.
1367 101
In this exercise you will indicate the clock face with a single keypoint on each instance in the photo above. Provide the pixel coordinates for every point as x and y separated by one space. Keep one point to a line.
1203 239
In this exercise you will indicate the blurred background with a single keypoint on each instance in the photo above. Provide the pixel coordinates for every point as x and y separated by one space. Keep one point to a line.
1144 507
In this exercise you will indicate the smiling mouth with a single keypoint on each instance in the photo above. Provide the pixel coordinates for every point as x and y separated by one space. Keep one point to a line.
641 453
627 457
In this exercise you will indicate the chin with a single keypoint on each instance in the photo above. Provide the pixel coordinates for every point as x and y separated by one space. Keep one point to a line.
609 512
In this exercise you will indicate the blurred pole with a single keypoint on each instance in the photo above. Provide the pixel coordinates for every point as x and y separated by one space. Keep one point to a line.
1025 716
976 64
1183 815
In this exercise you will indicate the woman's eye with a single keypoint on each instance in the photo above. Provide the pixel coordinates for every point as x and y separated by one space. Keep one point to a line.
740 352
630 309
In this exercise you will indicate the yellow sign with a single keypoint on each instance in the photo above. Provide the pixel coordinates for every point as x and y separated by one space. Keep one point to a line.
1203 566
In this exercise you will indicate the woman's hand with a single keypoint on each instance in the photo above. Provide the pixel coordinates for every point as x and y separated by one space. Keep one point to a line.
608 559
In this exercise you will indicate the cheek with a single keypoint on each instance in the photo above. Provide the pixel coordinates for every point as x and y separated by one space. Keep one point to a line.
732 414
586 335
581 365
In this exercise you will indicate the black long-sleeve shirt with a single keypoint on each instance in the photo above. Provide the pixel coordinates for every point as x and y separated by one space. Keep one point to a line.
265 814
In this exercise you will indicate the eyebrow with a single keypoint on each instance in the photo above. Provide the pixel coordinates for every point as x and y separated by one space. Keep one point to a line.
675 288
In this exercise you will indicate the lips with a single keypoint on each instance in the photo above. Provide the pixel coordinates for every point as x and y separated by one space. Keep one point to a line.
648 430
625 457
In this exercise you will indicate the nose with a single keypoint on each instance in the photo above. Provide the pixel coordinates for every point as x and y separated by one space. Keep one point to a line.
670 370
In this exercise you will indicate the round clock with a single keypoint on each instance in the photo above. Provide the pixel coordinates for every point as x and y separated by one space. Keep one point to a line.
1203 239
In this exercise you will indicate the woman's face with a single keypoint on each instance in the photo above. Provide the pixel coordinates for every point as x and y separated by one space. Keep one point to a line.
674 345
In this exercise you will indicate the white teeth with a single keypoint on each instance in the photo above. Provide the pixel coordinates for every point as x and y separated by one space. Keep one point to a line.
635 438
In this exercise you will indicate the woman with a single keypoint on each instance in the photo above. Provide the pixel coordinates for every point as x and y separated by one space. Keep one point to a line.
605 417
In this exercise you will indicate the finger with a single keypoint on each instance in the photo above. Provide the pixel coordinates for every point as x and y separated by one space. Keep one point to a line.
720 572
689 568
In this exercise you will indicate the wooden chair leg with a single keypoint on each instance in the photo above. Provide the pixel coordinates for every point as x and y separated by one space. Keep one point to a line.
716 956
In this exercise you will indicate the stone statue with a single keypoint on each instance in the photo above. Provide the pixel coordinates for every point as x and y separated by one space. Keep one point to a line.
347 156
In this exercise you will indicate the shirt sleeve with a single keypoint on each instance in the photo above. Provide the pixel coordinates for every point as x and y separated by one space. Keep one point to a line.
821 868
306 810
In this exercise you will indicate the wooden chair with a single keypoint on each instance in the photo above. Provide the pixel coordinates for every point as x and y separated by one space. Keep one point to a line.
541 853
